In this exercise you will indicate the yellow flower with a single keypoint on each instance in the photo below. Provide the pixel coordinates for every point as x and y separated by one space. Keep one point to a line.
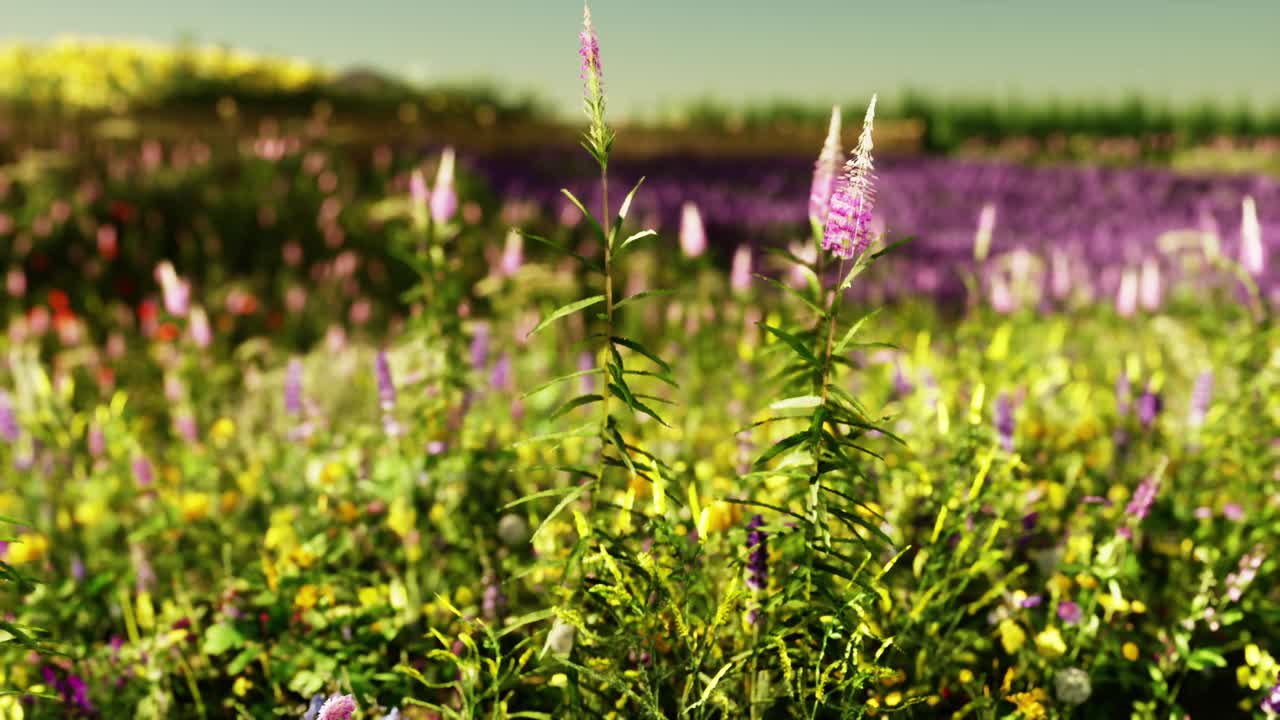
1011 636
222 431
241 686
1050 644
228 502
347 511
1029 704
1130 651
307 597
1138 606
27 547
369 596
1087 582
965 677
1252 654
195 506
302 557
145 611
1060 583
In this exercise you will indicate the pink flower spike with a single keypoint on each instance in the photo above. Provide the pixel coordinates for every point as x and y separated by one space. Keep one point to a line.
337 707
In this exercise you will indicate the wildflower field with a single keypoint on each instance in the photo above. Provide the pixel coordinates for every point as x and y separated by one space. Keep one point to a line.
298 425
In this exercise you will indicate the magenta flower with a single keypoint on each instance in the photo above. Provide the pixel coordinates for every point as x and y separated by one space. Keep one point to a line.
848 229
590 51
1069 612
1143 498
201 331
824 172
337 707
293 388
143 473
512 254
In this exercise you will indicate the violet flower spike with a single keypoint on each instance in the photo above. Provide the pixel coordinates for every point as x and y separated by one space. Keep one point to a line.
293 387
386 387
848 228
758 561
1149 406
9 429
824 172
1004 421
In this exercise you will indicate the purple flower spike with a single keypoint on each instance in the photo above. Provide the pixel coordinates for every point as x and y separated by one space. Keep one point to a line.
1149 406
143 474
1004 421
8 421
1143 498
386 387
848 229
758 561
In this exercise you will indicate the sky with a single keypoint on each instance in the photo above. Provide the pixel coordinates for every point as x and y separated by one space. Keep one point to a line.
660 53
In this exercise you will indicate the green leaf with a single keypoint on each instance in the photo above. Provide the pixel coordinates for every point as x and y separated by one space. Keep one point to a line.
553 492
221 638
792 403
564 502
1204 657
564 310
853 330
637 236
242 660
585 213
791 291
805 353
574 404
513 624
641 296
557 381
637 347
580 431
780 447
623 209
893 245
591 264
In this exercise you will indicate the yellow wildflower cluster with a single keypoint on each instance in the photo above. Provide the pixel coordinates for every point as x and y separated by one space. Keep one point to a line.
93 73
